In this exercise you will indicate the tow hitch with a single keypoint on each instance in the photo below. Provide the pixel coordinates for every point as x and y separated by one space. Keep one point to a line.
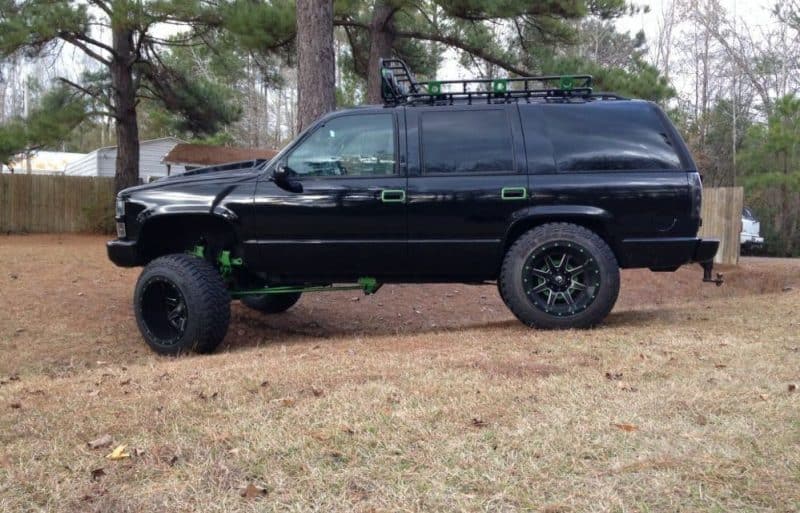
708 267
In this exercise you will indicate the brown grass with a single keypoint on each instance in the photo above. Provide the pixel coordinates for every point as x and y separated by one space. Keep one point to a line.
416 399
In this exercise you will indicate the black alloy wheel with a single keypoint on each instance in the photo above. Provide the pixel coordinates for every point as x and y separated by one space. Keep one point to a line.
164 310
559 276
182 304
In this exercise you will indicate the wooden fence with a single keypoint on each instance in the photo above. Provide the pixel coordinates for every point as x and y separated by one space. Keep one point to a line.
55 203
722 219
42 203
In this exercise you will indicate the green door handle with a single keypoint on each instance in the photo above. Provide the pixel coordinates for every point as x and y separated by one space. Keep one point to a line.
393 196
514 193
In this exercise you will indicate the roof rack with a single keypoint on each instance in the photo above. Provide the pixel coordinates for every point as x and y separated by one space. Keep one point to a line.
399 87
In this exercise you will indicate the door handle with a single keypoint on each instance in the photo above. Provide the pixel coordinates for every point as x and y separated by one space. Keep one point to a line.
393 196
514 193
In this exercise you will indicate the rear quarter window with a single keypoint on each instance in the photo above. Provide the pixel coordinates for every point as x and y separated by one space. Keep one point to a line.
601 136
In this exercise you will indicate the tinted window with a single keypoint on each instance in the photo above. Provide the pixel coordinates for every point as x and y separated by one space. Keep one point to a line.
475 141
360 145
608 137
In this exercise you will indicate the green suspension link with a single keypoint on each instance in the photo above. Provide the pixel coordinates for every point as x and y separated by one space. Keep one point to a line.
226 263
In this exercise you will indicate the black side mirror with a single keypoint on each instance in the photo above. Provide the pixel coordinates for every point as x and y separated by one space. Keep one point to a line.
283 177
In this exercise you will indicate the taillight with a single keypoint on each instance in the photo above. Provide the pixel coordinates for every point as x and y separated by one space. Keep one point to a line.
696 192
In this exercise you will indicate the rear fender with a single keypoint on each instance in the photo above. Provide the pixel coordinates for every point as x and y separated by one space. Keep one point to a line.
593 218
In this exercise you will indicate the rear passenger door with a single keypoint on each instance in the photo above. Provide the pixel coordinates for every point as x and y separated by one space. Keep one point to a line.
467 175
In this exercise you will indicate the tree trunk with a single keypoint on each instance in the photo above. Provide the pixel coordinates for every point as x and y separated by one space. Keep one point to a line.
316 79
381 36
124 94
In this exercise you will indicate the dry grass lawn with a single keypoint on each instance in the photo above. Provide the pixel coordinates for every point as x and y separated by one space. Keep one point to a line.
417 399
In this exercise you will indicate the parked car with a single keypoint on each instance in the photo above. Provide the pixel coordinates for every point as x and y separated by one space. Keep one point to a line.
538 184
750 237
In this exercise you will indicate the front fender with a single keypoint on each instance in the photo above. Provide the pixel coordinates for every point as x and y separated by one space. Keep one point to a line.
181 203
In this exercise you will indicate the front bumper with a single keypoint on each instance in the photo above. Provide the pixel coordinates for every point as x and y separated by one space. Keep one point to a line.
666 253
123 253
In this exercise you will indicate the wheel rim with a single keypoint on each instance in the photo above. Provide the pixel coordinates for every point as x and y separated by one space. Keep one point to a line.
561 278
164 311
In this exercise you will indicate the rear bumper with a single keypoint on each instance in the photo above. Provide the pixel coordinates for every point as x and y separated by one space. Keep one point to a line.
123 252
666 253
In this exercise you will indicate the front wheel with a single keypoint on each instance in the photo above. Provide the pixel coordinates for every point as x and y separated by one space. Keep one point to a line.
560 276
182 304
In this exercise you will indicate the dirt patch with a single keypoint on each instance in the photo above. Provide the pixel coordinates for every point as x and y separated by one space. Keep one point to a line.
64 306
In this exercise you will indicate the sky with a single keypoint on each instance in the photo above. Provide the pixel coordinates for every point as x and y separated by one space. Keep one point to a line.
755 12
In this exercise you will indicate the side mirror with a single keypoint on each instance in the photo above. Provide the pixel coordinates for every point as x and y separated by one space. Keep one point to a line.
282 175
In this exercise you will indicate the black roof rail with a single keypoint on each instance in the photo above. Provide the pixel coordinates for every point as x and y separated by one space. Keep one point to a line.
399 87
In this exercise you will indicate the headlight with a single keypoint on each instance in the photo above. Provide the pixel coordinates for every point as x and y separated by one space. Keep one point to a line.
120 207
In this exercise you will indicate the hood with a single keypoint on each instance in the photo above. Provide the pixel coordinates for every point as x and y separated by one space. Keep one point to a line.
223 173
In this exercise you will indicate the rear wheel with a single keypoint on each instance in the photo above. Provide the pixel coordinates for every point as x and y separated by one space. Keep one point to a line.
272 303
560 276
181 304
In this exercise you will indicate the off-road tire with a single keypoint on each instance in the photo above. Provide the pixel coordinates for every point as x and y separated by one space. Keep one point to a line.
539 239
206 298
272 303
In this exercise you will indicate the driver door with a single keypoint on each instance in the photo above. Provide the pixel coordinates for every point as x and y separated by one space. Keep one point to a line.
348 217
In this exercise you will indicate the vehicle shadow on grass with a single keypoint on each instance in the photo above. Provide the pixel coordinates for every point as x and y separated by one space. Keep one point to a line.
300 326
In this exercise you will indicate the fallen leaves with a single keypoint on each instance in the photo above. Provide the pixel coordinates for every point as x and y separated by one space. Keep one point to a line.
100 442
252 491
13 377
478 422
288 402
119 453
626 387
624 426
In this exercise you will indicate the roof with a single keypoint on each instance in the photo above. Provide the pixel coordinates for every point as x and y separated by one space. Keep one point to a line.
46 160
141 143
205 155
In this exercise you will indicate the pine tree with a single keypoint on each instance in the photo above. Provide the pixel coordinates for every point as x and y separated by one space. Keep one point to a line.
498 32
131 66
315 63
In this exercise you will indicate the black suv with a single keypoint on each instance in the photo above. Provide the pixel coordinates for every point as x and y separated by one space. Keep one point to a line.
537 183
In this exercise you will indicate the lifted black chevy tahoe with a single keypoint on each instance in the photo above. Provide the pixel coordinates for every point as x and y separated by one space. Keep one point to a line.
539 184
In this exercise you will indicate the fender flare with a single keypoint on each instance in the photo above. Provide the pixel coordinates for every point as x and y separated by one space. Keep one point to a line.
540 214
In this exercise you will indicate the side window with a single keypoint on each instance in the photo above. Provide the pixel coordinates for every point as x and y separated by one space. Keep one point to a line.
357 145
598 137
466 141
